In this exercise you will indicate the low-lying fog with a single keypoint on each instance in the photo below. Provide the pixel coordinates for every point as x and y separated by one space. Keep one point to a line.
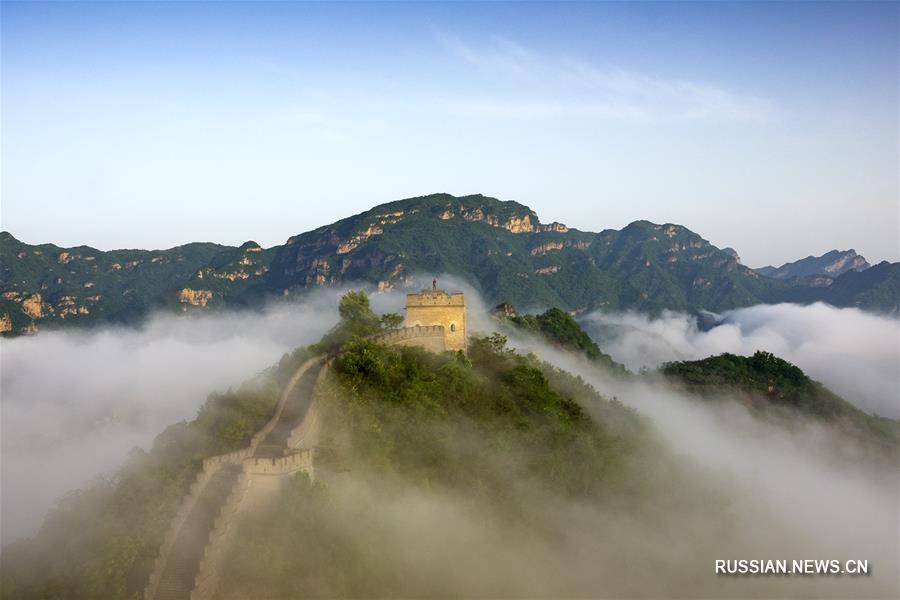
824 508
856 354
74 403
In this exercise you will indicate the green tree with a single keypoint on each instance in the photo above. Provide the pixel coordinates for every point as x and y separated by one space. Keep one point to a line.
391 320
354 306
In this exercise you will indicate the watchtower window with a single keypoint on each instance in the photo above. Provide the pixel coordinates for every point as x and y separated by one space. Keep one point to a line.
452 326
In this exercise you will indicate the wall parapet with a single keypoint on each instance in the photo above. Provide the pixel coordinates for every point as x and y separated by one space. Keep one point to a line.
405 333
301 460
210 467
308 430
224 528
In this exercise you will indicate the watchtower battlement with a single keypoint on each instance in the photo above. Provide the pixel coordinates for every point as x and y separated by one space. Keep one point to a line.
435 297
434 307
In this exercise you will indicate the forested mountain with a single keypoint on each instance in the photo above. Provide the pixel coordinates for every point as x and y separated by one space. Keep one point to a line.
494 437
501 248
404 417
830 264
769 383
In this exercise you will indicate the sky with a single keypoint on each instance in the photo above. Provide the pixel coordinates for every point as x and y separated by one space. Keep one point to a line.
768 127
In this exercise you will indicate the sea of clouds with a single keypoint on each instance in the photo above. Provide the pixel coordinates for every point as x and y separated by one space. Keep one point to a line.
855 353
791 497
75 402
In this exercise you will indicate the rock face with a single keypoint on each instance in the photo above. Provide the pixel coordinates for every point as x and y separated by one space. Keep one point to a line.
5 324
832 264
732 253
195 297
545 248
519 225
33 306
358 239
547 270
554 227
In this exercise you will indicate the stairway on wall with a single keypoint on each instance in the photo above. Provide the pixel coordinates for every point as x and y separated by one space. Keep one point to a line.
258 485
177 579
276 443
183 561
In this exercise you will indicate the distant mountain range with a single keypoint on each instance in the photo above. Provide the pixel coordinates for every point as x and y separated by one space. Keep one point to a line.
831 265
500 247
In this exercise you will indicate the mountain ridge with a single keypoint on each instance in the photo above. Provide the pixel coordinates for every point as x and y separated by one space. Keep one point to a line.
501 247
832 264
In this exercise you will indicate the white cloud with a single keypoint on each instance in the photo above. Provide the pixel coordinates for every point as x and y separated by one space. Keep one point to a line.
856 354
551 87
789 494
74 403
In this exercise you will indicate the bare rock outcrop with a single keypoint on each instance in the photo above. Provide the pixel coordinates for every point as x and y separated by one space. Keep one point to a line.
195 297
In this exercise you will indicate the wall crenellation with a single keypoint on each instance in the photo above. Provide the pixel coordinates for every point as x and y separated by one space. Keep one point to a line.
210 466
435 320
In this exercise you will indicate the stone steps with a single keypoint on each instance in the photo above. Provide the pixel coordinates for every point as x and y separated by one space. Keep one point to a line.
177 579
182 566
275 444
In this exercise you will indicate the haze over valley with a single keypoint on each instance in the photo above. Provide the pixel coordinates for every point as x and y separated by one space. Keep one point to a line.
449 300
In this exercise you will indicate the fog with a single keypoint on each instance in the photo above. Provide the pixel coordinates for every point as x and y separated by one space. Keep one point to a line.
75 402
855 353
791 497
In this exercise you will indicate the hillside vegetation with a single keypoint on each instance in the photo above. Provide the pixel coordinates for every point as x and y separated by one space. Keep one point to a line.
831 264
561 330
501 248
769 382
398 415
499 437
100 541
492 462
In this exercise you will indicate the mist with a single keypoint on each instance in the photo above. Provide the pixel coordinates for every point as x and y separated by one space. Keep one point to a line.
75 402
791 498
854 353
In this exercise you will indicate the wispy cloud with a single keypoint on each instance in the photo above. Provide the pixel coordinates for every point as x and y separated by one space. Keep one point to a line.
530 85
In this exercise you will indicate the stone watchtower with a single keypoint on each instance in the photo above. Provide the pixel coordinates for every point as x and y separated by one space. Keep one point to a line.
437 307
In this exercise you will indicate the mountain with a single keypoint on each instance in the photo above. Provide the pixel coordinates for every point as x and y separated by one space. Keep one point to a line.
830 264
769 383
562 331
480 427
876 289
410 445
500 247
732 253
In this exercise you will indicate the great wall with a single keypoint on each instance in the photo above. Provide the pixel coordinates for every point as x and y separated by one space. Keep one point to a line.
193 553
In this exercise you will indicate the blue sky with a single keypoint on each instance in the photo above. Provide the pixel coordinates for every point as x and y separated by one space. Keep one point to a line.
771 127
